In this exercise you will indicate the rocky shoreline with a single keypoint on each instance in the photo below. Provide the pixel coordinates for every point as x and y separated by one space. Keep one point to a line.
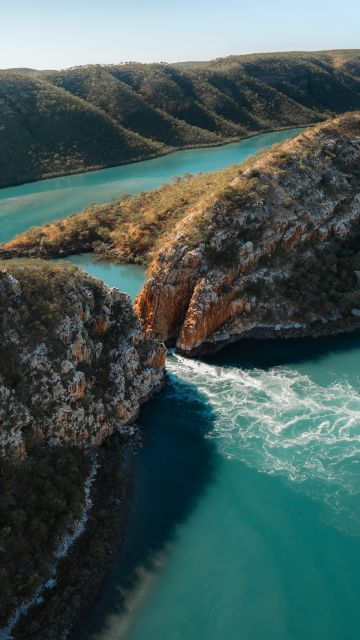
269 250
275 247
75 366
276 332
80 574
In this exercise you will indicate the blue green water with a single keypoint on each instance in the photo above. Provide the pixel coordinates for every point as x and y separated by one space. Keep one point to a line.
126 277
40 202
245 520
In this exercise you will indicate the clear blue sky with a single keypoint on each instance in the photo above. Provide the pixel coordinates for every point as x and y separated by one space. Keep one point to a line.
57 34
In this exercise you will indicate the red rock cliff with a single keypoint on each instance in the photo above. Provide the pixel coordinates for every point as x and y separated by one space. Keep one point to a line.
231 265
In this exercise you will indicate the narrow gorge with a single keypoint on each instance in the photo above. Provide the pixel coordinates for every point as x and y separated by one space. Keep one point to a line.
287 222
264 249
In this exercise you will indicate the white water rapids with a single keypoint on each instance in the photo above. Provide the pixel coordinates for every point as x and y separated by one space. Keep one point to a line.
280 421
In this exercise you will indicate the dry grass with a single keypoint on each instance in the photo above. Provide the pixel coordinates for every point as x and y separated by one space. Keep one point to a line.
134 228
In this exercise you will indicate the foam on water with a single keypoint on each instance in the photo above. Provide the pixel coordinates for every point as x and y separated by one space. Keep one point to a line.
282 422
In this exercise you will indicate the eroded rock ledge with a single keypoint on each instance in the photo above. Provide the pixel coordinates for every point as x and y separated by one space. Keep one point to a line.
74 362
275 252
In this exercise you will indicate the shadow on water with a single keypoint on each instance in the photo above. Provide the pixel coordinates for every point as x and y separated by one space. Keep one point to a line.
172 471
251 353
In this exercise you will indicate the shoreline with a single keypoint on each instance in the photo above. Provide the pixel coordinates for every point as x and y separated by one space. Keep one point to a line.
222 143
259 333
81 573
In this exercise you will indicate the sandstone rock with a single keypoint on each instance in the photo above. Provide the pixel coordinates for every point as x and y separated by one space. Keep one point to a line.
195 305
88 373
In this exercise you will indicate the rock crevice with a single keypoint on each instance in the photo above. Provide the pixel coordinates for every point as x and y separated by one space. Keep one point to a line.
232 265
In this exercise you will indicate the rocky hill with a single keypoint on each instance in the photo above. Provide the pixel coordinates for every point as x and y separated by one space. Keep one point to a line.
231 250
266 248
74 366
274 252
56 123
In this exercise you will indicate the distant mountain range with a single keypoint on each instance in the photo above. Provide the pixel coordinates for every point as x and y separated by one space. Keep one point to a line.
59 122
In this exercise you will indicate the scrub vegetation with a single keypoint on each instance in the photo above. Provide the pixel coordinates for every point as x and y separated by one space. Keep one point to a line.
38 504
134 229
55 123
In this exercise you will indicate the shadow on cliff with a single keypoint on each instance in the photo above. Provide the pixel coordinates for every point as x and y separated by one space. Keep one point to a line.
251 353
172 472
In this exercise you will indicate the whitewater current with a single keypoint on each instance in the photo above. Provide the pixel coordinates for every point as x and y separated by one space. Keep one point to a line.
221 543
280 421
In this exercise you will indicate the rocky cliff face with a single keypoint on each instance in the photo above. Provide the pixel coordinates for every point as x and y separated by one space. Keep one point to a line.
275 252
74 363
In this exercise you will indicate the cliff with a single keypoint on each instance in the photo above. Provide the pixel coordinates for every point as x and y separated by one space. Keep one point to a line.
74 366
229 251
56 123
74 363
274 252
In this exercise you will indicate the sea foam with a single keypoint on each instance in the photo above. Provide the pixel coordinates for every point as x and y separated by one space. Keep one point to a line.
280 421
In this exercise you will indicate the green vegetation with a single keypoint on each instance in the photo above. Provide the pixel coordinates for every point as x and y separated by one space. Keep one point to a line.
327 280
46 131
135 228
40 497
54 123
80 575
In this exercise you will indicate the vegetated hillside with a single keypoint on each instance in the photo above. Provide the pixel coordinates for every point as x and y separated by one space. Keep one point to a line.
74 365
104 89
128 230
274 252
53 123
232 250
73 362
46 131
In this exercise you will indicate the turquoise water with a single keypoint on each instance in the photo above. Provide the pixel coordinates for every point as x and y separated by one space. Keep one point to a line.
126 277
245 521
40 202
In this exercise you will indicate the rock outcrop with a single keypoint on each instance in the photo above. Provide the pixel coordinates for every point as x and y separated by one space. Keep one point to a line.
274 252
74 362
231 250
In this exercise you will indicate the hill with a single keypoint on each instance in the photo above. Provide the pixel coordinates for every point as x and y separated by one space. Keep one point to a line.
231 250
74 366
54 123
46 131
273 252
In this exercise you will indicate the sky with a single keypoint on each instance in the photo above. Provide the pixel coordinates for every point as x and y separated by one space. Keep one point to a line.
50 34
